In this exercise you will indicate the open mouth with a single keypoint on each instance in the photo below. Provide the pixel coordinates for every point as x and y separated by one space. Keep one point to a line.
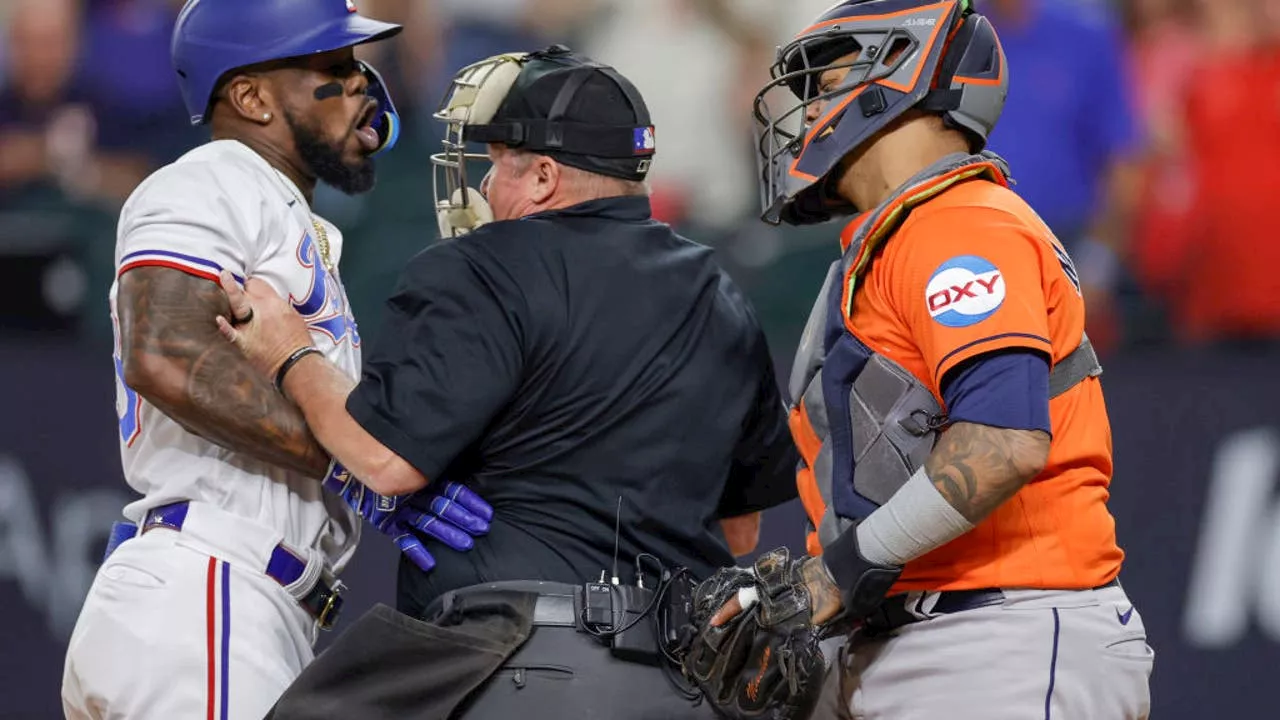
364 126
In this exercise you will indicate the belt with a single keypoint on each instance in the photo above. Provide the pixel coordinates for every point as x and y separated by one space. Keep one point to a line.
909 608
557 604
556 610
323 602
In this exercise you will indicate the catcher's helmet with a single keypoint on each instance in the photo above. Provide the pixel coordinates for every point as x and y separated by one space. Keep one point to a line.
213 37
933 55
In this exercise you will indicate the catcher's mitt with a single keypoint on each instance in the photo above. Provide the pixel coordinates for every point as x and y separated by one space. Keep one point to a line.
764 663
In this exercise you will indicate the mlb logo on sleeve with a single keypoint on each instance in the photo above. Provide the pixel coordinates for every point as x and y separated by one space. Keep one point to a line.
964 291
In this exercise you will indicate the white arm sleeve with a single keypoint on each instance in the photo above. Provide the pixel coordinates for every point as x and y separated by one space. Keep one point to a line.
196 217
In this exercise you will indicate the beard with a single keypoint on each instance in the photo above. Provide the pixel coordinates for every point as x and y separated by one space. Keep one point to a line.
324 159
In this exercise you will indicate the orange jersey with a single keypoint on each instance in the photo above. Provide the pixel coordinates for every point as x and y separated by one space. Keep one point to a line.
970 271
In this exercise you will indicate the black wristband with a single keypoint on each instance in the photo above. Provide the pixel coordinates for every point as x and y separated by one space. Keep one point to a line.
863 585
290 362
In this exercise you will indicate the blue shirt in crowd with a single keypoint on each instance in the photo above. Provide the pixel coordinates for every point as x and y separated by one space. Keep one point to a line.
126 76
1069 113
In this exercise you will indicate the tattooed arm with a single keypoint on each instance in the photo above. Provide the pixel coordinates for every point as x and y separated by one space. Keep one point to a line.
174 356
825 601
973 469
978 467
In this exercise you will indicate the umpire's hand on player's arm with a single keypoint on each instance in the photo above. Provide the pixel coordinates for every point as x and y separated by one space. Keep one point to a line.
263 325
270 333
277 342
455 515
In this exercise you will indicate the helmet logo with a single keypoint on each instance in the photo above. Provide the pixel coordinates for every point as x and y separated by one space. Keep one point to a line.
351 6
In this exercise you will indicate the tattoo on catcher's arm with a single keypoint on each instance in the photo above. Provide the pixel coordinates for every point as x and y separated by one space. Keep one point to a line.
824 594
978 467
174 357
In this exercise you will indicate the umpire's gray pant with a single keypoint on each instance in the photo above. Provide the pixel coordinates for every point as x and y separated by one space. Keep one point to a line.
561 673
488 654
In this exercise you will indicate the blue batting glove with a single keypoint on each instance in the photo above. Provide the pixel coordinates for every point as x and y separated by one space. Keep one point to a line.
379 510
455 516
462 507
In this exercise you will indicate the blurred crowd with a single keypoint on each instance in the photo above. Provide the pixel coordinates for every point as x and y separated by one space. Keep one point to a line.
1145 132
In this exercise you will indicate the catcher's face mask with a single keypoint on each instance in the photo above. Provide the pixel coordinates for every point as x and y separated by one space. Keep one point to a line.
473 98
894 55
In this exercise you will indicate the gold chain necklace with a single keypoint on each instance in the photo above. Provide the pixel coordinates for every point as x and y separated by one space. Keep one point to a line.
322 237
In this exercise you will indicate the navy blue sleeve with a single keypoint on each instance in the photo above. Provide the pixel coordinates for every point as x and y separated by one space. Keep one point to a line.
1007 389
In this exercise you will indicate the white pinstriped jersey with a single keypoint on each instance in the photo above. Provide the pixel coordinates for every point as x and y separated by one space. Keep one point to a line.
223 206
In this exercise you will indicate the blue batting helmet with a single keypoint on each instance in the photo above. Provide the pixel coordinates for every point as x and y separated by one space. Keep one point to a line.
938 56
214 37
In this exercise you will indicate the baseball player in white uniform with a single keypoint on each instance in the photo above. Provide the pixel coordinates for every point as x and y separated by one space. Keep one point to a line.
212 595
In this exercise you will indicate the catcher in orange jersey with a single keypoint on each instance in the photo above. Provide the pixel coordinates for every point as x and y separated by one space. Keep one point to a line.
956 447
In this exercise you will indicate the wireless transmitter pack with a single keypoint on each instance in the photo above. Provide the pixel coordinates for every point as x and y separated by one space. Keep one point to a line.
622 615
636 640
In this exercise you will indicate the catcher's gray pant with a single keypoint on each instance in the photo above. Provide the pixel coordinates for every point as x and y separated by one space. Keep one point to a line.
1052 654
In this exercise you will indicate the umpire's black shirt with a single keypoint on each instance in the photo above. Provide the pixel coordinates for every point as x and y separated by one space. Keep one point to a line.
561 361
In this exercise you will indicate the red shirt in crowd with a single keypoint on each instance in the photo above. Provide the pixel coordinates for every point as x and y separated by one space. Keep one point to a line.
1230 279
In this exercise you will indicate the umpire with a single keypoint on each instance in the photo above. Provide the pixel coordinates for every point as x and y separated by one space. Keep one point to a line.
595 377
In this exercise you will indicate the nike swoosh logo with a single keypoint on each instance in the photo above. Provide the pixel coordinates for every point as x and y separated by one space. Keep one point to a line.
1123 617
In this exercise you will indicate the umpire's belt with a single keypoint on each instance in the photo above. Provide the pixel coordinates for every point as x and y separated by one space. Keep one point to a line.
323 601
913 607
557 604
